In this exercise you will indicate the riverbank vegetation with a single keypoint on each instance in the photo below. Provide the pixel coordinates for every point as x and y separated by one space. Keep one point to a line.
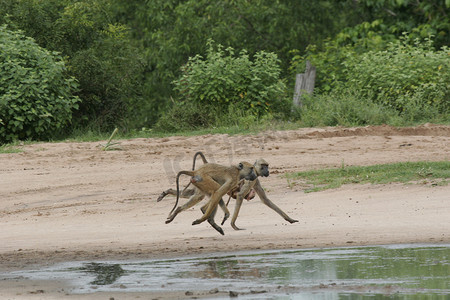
89 66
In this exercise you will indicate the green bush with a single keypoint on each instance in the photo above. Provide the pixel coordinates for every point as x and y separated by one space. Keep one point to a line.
35 94
330 56
107 64
226 90
405 71
223 79
187 116
346 109
98 51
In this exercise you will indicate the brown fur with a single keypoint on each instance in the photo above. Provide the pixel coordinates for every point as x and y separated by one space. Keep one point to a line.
214 180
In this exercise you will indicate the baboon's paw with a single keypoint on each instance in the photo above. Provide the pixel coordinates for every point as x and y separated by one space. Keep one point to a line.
160 197
198 221
224 219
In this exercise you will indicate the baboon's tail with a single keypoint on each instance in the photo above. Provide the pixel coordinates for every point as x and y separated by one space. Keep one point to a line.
195 158
190 173
193 165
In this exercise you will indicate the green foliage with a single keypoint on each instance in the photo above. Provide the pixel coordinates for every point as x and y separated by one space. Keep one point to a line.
191 119
214 90
420 18
406 75
172 31
126 54
35 93
349 108
185 116
436 173
98 51
106 62
368 80
222 79
329 57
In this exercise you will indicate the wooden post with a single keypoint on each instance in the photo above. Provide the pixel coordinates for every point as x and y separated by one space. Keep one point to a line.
304 83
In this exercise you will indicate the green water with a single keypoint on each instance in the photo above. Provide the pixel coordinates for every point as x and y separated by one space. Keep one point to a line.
381 272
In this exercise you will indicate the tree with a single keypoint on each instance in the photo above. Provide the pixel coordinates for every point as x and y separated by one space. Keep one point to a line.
36 95
97 49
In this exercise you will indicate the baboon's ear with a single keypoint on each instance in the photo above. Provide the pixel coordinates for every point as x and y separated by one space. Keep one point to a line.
240 166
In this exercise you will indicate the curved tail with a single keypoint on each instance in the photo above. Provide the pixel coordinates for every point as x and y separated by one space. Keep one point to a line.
190 173
193 166
195 157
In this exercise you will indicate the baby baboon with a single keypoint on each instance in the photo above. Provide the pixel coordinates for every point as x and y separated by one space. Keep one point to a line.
215 180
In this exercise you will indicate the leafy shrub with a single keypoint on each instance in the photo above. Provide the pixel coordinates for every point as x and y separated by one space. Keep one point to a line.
98 51
403 71
106 62
345 109
226 90
222 79
35 93
187 116
328 59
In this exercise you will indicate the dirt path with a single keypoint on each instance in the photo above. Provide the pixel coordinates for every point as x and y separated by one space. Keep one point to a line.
72 201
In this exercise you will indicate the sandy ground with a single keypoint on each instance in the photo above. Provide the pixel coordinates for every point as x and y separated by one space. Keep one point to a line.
71 201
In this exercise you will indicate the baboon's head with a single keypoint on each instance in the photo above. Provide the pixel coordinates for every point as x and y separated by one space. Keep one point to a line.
246 171
261 167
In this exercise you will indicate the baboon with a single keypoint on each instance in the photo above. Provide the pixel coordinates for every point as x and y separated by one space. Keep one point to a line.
186 193
195 195
214 180
262 169
246 190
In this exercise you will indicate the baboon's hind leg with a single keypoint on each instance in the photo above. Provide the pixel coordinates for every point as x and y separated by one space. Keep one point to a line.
211 220
196 198
184 194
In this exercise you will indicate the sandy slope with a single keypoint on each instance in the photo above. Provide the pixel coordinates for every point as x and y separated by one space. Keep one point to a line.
72 201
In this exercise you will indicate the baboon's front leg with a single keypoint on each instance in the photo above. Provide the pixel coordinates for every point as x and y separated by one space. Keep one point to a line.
262 195
236 211
225 211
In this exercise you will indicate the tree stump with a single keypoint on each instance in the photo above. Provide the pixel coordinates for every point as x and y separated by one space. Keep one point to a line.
304 83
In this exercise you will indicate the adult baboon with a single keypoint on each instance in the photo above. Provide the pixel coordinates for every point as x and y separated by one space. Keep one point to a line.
215 180
255 186
195 195
198 195
260 170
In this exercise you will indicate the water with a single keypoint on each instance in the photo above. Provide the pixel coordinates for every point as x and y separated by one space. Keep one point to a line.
393 272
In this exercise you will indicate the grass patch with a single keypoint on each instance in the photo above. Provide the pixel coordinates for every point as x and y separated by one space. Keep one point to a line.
11 148
434 173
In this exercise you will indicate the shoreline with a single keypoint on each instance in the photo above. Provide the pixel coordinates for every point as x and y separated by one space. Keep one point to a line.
71 201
